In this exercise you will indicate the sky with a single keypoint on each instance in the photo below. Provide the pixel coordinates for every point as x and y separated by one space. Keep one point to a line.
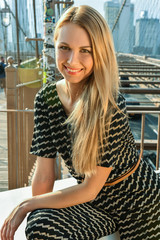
97 4
153 6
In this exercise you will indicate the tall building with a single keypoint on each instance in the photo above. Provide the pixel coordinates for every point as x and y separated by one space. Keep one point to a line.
111 10
123 33
26 22
126 28
147 35
23 22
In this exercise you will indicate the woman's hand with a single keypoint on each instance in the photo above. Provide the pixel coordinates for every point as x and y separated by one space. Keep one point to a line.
12 222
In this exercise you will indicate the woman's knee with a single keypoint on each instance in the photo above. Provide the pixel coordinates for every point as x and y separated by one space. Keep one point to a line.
35 228
42 224
29 228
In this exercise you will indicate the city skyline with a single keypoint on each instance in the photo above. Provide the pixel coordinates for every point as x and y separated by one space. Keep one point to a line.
152 6
125 34
128 37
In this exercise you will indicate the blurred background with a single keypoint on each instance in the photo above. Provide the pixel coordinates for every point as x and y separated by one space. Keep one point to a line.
18 20
135 26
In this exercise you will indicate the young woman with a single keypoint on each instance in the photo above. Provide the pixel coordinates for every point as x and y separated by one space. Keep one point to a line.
83 117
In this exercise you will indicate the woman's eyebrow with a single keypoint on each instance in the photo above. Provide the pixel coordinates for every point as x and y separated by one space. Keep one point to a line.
79 47
86 47
64 43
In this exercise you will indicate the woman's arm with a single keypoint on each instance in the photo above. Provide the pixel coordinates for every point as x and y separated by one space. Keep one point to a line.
71 196
78 194
44 176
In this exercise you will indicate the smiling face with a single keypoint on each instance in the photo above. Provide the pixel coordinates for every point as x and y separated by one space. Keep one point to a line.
74 53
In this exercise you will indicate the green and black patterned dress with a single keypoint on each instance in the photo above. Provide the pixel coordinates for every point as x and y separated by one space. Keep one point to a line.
131 206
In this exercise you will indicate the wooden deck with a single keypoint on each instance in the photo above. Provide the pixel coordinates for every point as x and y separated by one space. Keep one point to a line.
3 145
4 148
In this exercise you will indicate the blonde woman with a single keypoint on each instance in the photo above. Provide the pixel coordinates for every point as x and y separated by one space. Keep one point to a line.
83 117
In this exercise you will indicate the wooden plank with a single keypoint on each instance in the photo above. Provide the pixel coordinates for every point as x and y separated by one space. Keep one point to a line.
148 144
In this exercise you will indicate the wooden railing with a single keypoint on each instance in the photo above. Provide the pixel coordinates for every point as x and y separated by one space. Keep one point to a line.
20 162
21 88
22 85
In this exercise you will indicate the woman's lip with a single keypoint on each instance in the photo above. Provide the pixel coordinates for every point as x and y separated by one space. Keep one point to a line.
73 70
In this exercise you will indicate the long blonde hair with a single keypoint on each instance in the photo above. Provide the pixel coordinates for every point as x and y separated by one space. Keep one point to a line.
90 119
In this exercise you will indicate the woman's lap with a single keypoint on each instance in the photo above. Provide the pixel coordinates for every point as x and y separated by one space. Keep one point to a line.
77 222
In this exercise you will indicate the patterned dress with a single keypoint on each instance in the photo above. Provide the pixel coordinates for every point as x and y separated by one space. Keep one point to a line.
131 206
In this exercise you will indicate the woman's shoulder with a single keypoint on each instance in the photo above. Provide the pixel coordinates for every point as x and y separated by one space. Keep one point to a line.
47 91
121 102
51 87
120 111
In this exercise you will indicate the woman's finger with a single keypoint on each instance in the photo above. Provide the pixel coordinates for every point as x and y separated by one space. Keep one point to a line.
7 231
11 233
12 223
3 231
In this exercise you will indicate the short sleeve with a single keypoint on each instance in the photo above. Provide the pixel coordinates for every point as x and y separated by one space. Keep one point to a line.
115 143
43 144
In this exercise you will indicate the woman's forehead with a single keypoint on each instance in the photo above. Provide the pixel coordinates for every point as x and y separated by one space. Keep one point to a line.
73 33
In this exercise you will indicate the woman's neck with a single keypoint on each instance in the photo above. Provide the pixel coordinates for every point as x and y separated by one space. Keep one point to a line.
74 90
68 94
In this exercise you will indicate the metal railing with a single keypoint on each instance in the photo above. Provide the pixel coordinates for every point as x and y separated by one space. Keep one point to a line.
148 144
19 168
140 75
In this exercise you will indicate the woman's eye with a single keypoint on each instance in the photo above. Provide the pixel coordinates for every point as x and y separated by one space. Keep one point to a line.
85 51
64 47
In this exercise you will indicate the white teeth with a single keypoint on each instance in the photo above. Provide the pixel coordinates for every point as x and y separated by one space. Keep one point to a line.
71 70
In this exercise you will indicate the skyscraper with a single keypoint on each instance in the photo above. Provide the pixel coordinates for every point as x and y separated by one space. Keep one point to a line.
123 33
111 9
126 28
26 23
147 35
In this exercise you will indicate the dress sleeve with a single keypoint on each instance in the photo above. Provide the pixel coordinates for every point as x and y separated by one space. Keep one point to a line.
43 144
115 142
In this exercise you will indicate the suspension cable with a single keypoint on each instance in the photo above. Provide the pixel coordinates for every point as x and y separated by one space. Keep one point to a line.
119 14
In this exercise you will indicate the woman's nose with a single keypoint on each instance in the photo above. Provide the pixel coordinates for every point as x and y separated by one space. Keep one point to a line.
72 57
